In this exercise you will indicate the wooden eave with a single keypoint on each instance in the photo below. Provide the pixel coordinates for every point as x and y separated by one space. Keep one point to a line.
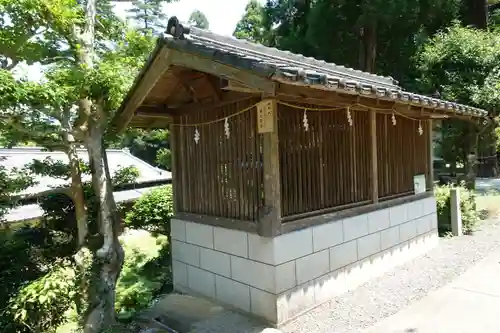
160 90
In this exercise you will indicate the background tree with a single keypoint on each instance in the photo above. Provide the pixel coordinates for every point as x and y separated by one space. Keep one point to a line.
97 58
251 25
199 20
149 15
146 145
463 64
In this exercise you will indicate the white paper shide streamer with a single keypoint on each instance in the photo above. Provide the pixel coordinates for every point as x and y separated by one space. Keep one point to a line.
305 121
226 128
196 136
349 116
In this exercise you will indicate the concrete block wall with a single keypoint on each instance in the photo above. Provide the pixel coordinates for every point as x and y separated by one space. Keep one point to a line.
280 278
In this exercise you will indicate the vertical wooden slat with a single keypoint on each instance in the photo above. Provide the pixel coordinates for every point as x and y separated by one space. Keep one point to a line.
328 173
186 193
219 176
374 166
255 167
244 149
211 173
352 156
430 155
298 160
386 153
343 128
203 192
322 156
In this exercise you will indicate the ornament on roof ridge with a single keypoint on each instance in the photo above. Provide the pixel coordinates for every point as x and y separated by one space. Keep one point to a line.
226 128
305 121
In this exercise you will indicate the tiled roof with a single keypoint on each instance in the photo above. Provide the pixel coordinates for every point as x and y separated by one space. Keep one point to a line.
32 212
117 158
296 68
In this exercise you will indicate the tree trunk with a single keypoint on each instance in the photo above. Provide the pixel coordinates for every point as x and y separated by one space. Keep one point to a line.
476 13
370 46
367 54
77 195
109 258
361 49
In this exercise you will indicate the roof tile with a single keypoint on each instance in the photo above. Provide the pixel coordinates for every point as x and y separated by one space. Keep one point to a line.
285 65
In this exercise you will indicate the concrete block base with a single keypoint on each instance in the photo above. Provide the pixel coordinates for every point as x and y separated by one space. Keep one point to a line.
280 278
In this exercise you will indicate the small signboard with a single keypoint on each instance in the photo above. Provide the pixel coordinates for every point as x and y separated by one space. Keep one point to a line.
419 184
265 121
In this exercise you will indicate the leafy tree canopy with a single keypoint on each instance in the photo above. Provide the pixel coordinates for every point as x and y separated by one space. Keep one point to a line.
149 15
199 20
251 26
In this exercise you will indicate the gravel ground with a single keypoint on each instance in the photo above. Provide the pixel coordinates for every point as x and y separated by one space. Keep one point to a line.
386 295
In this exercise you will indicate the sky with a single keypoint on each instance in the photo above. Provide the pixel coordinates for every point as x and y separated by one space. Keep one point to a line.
223 15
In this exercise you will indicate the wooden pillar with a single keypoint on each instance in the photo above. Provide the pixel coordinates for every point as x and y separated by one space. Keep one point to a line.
270 216
430 167
455 212
176 188
182 174
374 166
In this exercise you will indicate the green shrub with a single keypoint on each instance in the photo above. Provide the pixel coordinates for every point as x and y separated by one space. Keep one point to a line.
152 211
19 265
125 175
42 304
470 215
26 254
141 279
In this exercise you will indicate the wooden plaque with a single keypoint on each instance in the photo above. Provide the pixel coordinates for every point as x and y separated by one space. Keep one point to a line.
265 116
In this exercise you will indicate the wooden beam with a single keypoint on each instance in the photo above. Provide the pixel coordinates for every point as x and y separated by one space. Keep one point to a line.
210 66
270 217
236 86
313 95
206 107
374 166
216 221
155 71
216 92
152 111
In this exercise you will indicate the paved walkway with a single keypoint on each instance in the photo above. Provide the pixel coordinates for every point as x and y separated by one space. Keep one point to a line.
487 184
470 304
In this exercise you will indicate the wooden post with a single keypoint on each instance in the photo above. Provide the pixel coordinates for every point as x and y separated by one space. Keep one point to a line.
176 189
184 202
471 157
270 216
374 168
456 214
430 176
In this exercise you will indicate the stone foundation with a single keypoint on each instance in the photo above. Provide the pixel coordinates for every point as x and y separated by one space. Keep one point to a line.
280 278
